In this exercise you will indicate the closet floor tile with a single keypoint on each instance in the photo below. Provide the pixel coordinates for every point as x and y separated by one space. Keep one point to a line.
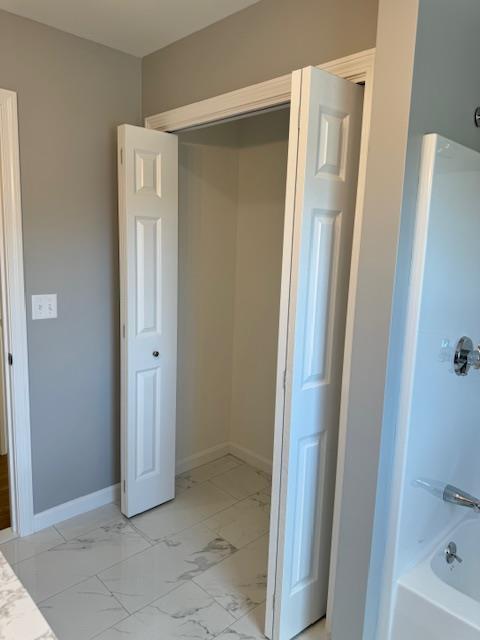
242 481
239 583
316 632
250 626
186 612
82 611
206 472
188 509
244 522
141 579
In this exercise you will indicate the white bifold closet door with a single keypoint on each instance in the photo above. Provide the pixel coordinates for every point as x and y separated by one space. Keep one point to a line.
324 144
148 228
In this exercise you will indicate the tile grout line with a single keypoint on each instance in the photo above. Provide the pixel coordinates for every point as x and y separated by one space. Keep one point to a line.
240 463
191 581
149 604
152 543
93 575
59 533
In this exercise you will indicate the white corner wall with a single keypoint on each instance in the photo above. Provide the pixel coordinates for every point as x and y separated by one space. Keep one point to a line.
260 217
231 213
208 160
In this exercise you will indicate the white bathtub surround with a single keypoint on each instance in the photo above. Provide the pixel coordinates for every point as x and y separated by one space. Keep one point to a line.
434 444
19 616
441 601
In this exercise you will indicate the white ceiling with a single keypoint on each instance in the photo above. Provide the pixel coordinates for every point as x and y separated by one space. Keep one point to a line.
134 26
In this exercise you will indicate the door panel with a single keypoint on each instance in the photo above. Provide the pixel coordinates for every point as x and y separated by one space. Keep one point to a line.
148 220
325 181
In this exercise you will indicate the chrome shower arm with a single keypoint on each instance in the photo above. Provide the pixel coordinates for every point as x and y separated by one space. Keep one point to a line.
454 495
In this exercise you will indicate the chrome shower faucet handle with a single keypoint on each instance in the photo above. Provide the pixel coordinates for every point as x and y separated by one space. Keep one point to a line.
466 356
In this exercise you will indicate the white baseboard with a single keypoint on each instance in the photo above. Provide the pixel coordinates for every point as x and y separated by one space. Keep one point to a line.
76 507
202 457
7 534
250 457
209 455
112 494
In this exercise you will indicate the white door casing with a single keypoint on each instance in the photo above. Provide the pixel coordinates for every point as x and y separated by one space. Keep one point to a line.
148 230
321 198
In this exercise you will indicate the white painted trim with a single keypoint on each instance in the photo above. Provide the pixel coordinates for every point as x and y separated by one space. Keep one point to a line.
349 328
202 457
280 395
422 218
356 68
7 534
250 457
76 507
213 453
15 319
263 95
111 494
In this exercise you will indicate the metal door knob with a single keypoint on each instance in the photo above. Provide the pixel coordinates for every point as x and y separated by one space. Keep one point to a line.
155 354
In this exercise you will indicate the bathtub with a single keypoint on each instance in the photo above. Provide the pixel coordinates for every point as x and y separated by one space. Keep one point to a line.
440 601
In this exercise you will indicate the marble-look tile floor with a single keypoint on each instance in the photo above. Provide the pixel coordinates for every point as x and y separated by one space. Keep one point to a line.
192 568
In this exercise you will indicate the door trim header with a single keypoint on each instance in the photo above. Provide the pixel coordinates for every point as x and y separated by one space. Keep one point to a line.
264 95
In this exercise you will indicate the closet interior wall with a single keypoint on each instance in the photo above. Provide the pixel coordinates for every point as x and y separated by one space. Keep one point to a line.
231 214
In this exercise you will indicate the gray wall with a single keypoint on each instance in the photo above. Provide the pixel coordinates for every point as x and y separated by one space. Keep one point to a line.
373 311
426 81
266 40
445 93
72 94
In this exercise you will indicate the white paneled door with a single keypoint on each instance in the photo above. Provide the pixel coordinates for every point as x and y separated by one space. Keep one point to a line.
321 199
148 228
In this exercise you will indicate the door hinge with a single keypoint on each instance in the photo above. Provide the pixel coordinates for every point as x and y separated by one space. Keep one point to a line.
123 330
10 359
121 155
124 487
285 379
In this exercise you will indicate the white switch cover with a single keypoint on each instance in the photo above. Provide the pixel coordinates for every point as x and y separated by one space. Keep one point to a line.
44 307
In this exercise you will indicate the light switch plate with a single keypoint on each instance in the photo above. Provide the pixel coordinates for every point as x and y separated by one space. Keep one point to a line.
44 306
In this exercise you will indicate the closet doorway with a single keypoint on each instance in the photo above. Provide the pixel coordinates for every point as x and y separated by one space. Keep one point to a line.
232 180
262 297
16 491
5 511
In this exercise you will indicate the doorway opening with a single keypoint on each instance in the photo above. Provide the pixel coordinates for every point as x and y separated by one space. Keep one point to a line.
16 491
262 297
5 514
232 182
231 215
